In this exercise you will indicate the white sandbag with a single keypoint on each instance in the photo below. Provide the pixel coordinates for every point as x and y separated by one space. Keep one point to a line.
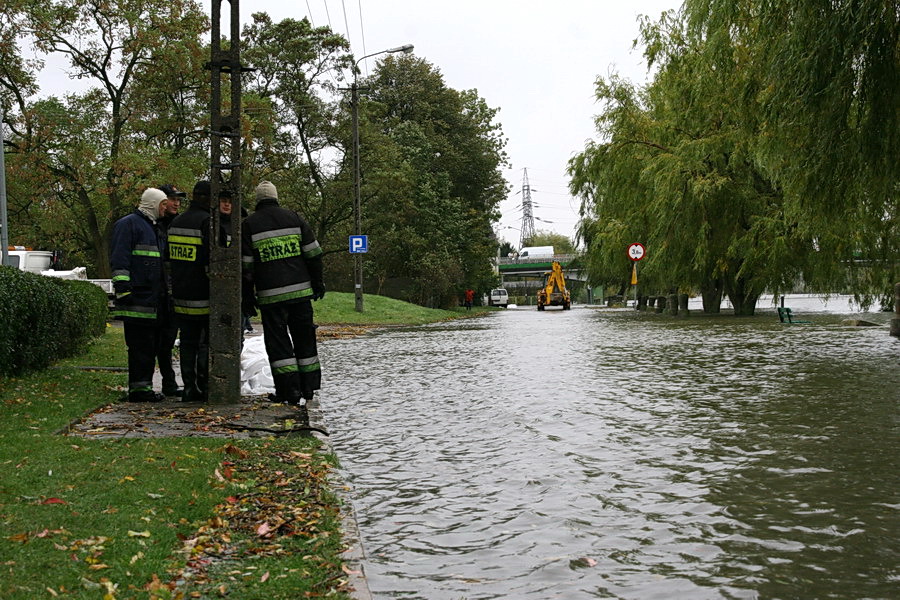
256 375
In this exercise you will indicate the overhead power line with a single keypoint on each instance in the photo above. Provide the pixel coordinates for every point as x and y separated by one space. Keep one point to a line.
346 22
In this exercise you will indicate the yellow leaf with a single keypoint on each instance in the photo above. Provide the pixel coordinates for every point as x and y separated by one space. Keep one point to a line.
99 566
145 534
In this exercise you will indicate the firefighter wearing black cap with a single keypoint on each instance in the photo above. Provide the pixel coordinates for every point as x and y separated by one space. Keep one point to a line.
136 252
283 262
168 328
188 246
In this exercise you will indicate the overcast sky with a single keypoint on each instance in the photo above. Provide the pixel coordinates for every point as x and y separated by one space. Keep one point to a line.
535 60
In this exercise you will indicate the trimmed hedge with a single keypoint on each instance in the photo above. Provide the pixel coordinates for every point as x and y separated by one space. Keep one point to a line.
43 319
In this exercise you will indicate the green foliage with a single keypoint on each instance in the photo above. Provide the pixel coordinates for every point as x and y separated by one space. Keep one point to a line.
693 167
432 190
65 316
431 155
561 244
79 163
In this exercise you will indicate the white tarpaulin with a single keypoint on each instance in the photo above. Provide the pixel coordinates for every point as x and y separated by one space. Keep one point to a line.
76 273
256 375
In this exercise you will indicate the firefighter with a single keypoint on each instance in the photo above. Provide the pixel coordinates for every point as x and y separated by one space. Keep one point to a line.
136 252
282 272
168 328
189 260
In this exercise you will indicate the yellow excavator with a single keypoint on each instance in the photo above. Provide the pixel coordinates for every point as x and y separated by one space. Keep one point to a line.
554 292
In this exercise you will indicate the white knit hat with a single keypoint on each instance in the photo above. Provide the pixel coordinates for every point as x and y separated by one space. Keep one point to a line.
150 201
265 190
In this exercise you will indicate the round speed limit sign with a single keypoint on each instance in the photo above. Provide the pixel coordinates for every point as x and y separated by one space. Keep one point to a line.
636 252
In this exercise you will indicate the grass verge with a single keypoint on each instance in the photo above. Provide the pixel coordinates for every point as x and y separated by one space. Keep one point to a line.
172 517
154 518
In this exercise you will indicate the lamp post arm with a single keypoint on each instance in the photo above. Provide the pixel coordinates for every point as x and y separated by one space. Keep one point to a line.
406 48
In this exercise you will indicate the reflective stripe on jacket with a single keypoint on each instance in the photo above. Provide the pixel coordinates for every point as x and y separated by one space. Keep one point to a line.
189 261
135 259
280 254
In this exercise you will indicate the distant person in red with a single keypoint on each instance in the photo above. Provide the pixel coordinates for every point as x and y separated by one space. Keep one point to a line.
470 296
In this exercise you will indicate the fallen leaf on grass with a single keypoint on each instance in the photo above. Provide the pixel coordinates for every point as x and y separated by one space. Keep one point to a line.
235 451
19 537
145 534
263 529
54 501
264 578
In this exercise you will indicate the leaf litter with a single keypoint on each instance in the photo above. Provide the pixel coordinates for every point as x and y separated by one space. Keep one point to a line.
277 504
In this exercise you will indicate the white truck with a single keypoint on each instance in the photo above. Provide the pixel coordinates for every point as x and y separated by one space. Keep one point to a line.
42 262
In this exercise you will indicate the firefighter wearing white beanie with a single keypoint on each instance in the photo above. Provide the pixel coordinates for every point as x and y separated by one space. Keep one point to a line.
151 203
136 262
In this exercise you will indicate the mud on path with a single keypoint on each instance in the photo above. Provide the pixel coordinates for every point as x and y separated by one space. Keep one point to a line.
254 416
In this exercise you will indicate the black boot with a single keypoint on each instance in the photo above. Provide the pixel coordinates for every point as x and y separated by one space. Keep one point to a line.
191 392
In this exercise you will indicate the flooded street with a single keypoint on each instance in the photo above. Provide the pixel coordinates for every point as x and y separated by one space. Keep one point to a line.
614 454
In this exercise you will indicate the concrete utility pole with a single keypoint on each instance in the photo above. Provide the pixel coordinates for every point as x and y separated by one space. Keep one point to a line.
4 234
225 261
527 230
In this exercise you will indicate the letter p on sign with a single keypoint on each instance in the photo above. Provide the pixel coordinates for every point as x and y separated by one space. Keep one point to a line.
359 244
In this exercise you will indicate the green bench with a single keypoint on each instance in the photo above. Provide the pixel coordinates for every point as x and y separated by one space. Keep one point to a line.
786 316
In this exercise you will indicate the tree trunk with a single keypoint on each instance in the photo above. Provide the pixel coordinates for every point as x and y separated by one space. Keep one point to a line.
742 297
711 292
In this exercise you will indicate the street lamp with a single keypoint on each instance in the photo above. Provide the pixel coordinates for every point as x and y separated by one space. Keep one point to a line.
357 204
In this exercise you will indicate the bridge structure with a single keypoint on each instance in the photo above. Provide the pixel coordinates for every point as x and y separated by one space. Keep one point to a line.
523 275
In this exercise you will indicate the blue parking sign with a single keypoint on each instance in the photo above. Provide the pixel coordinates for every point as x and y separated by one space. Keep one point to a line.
359 244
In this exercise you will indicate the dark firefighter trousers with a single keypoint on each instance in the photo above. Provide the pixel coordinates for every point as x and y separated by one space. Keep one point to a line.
167 333
194 350
141 340
290 338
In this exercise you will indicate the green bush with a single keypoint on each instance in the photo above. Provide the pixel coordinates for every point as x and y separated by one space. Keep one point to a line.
43 319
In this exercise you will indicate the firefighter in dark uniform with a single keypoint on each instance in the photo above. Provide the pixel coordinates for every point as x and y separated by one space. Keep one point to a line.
189 259
135 258
282 262
168 328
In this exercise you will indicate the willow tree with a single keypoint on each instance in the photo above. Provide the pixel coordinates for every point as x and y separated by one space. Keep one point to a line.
675 171
827 129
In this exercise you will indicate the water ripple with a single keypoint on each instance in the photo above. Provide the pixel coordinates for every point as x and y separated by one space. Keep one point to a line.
597 454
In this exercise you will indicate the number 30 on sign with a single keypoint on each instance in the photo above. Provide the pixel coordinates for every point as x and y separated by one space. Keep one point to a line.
636 252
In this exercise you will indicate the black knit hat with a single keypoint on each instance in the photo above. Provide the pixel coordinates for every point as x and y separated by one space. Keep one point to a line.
202 188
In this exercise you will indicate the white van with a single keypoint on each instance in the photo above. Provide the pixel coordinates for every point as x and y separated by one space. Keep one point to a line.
498 297
542 252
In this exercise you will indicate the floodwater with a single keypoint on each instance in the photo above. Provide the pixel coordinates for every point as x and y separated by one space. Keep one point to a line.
598 453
